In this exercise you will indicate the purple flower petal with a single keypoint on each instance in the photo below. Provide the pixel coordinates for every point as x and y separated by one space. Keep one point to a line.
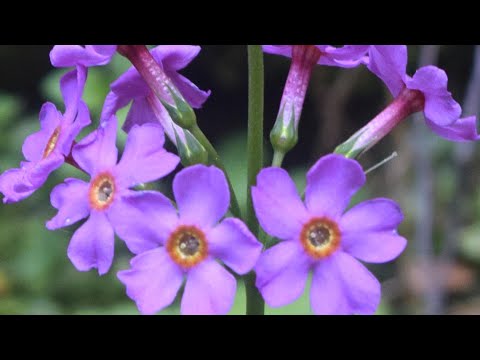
38 172
90 55
143 219
18 184
140 113
144 158
347 56
389 63
34 145
346 52
210 290
202 195
153 280
277 204
331 182
71 200
369 231
343 286
440 107
284 50
68 136
464 129
232 242
128 86
15 186
131 86
192 94
103 50
177 57
71 87
372 215
282 273
92 245
98 150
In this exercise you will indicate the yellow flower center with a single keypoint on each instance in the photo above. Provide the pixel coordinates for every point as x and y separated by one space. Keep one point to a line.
320 237
51 143
102 191
187 246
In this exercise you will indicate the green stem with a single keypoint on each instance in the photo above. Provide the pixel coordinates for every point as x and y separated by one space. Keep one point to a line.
255 303
202 139
278 158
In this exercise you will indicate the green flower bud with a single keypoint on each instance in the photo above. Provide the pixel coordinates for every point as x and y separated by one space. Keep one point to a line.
191 152
284 136
181 112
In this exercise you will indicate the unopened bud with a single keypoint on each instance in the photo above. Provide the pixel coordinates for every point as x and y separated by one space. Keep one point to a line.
353 147
180 111
191 152
284 135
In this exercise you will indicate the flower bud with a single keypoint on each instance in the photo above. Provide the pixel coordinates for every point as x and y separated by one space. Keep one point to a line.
191 152
181 112
284 135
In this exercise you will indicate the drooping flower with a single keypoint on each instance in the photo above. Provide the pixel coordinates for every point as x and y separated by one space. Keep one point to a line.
426 91
186 245
304 58
107 200
146 107
45 150
318 236
87 56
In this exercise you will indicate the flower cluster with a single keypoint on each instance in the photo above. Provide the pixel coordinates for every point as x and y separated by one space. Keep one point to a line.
189 239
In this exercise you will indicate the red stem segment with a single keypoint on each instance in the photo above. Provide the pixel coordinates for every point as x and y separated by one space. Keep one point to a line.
151 71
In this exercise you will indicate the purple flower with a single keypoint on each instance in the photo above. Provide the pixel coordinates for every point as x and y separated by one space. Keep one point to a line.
427 91
347 56
319 236
46 149
187 244
146 107
304 58
107 200
87 56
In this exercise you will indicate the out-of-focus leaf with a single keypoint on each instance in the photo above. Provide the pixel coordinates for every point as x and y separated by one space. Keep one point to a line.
470 243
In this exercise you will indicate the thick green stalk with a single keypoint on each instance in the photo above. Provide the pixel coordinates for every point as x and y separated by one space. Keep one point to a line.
255 303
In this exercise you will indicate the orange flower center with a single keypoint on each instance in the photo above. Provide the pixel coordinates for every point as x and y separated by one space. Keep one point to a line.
51 143
320 237
187 246
102 191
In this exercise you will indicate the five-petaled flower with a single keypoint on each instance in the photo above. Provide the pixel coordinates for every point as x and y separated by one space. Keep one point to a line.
46 149
318 235
187 244
107 199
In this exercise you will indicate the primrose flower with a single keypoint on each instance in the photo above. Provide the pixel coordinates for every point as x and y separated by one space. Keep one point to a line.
46 149
107 200
146 107
318 236
304 58
187 244
78 55
426 91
